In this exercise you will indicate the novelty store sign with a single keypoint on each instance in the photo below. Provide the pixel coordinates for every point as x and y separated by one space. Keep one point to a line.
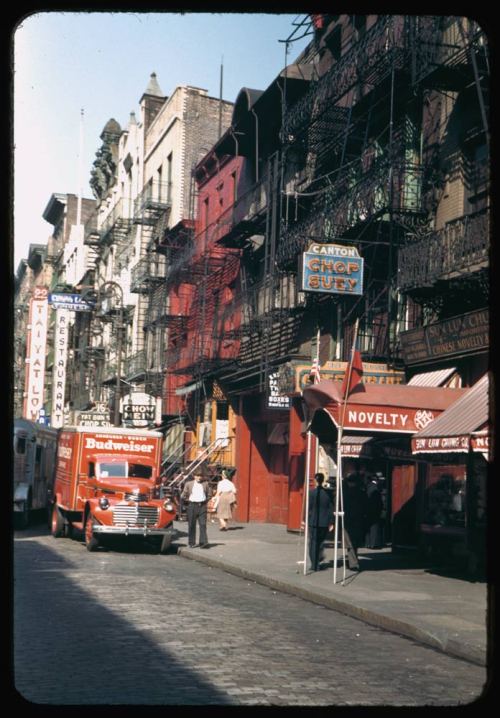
331 269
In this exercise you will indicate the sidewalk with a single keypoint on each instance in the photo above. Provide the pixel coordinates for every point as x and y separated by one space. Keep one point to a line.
391 591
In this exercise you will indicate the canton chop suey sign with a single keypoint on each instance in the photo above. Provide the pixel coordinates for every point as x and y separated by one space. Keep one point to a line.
331 269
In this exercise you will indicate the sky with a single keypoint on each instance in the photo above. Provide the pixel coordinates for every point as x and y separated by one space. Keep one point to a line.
100 62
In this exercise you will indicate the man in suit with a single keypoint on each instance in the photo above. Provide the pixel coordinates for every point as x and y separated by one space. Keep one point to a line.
319 519
196 493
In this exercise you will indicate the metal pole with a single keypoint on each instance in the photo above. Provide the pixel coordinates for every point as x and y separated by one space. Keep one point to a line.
118 364
306 489
339 515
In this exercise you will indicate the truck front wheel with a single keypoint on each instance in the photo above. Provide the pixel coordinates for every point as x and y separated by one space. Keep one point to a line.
56 522
91 541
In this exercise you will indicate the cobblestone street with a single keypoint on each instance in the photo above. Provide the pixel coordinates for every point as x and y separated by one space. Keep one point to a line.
130 627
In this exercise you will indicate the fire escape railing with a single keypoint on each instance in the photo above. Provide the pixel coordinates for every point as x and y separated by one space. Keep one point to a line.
149 269
116 224
462 247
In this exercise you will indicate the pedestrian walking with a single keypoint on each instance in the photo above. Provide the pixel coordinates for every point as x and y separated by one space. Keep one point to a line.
354 498
319 519
196 493
374 508
225 499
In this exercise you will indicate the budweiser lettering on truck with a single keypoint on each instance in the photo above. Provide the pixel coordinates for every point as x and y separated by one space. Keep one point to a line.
107 483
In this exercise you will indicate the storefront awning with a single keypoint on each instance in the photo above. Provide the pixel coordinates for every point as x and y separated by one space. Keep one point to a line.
433 378
357 446
461 427
380 408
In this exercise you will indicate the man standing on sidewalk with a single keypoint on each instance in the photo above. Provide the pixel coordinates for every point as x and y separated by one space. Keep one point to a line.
196 494
319 519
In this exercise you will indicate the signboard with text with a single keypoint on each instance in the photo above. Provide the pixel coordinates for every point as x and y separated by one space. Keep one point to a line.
464 334
73 302
331 269
275 399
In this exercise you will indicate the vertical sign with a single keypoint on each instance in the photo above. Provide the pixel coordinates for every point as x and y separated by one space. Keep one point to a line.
35 359
59 369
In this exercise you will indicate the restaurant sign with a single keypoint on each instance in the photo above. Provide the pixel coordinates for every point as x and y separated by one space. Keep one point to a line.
457 336
331 269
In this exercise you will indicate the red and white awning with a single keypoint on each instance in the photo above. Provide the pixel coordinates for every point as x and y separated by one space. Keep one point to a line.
395 408
462 427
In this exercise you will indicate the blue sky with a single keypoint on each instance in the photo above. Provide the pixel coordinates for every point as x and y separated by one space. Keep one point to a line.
101 63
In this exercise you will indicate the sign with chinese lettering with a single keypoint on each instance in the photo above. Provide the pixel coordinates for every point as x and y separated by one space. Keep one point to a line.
73 302
35 353
465 334
59 368
331 269
275 399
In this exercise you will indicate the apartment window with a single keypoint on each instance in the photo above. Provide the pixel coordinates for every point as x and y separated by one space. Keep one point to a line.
170 161
158 179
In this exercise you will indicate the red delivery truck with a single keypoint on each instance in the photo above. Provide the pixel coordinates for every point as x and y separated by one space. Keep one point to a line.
107 483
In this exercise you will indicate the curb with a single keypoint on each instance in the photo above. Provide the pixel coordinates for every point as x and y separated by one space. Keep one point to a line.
402 628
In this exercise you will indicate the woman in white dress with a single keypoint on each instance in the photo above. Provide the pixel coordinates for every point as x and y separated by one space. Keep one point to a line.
226 499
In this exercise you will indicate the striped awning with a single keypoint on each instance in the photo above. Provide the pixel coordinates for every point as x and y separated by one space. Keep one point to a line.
454 429
432 378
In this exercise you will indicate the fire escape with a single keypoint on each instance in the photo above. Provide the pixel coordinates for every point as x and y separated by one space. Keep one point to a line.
151 214
446 270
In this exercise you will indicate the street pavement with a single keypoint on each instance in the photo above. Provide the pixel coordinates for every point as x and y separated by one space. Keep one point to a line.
394 591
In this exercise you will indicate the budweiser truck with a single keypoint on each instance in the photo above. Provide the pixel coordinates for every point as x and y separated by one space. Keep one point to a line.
107 484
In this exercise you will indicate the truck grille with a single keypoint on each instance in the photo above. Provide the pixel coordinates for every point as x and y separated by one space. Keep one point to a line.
135 515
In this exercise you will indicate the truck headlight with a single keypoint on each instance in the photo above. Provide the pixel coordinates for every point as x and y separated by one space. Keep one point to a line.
168 506
103 503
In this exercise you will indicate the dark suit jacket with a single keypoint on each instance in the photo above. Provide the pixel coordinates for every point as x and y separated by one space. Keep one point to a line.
320 507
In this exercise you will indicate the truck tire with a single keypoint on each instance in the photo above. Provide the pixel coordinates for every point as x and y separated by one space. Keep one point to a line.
91 541
56 522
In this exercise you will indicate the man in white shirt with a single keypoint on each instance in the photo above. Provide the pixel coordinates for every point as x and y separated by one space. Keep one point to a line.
196 493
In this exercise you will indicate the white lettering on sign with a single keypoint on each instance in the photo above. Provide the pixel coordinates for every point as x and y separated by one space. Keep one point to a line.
37 338
379 418
59 370
110 445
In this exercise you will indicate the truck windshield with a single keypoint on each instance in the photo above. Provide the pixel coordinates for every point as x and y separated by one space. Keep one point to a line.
122 469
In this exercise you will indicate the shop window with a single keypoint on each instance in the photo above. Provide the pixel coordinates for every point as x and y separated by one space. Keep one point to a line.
444 501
